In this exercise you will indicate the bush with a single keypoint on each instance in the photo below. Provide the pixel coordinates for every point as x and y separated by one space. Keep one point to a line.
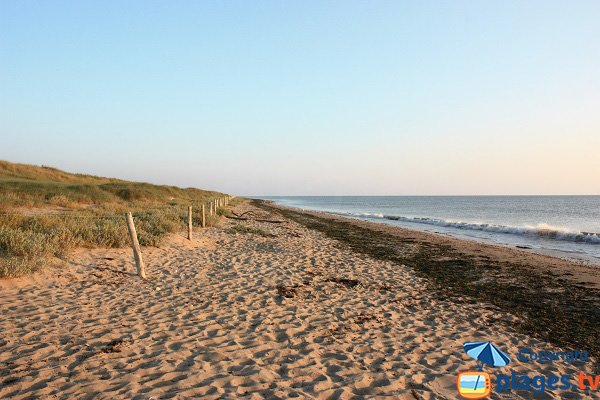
240 228
14 267
21 243
26 240
222 211
152 227
213 220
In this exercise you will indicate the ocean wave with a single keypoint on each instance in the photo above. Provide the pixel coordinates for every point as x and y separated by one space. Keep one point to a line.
540 230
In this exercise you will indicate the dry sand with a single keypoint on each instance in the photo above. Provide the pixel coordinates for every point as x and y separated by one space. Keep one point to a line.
240 315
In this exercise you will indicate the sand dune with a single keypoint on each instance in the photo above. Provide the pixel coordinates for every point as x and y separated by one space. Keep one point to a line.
240 315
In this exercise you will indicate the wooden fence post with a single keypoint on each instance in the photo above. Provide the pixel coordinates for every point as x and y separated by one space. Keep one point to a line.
203 217
189 223
137 252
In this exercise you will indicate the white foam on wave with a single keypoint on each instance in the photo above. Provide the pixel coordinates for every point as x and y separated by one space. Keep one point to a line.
539 230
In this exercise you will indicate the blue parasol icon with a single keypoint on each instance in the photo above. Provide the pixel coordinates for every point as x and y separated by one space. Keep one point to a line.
486 353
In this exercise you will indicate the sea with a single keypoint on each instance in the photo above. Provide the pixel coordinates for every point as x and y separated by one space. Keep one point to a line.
566 226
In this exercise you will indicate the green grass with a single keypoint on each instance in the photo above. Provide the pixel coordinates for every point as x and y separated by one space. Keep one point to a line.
46 212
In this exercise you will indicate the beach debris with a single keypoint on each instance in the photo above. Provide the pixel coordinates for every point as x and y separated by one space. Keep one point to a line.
522 247
253 216
366 317
338 331
276 221
115 346
287 291
349 283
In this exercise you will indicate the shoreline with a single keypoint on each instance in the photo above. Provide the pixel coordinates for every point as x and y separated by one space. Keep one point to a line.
512 243
568 256
536 287
587 267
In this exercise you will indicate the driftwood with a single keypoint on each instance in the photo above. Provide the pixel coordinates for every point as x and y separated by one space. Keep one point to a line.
240 218
271 221
250 212
252 215
255 219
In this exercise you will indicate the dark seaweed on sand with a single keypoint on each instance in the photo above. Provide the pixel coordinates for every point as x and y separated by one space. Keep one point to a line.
554 309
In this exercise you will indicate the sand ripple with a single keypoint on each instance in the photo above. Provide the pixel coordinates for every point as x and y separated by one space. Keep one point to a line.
241 315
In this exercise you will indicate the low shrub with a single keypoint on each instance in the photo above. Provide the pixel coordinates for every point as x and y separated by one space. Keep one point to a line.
13 267
241 228
95 218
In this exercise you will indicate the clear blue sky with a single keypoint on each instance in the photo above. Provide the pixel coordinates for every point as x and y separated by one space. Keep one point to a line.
308 97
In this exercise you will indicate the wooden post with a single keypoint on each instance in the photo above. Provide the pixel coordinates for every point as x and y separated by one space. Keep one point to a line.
210 210
190 223
203 217
137 252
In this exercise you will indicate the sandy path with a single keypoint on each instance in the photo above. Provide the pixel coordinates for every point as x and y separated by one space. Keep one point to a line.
234 315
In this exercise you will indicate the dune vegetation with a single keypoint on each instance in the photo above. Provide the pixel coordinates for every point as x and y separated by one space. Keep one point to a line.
46 212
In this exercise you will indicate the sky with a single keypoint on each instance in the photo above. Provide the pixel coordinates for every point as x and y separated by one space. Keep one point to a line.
307 97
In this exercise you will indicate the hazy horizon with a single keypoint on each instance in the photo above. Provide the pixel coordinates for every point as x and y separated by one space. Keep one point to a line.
308 98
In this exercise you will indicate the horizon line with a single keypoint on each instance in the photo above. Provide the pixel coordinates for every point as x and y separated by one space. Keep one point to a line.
417 195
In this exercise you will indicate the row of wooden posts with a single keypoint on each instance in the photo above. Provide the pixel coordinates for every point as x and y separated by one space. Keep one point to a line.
135 244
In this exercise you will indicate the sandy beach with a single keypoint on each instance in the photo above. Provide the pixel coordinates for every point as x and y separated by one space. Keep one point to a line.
281 311
299 200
